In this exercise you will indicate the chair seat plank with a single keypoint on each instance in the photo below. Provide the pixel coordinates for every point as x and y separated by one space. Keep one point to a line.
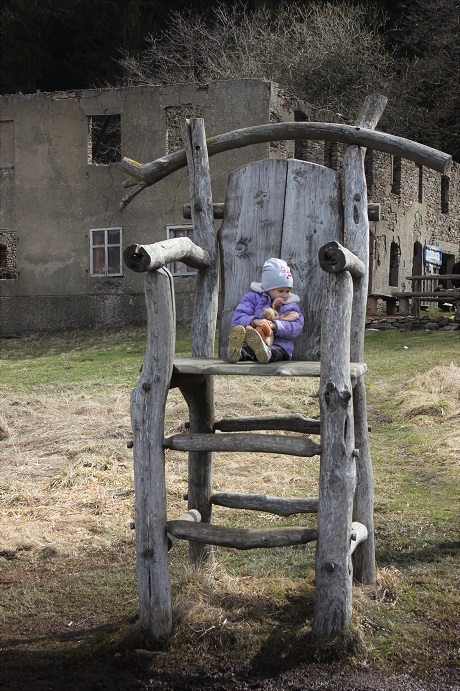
285 368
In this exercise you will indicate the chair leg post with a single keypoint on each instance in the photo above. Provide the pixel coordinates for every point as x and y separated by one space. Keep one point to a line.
200 401
148 402
364 569
337 481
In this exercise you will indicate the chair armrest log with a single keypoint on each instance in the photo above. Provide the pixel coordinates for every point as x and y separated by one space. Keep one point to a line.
359 533
152 257
334 258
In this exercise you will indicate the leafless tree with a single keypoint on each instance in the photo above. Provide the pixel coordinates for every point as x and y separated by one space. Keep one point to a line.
331 55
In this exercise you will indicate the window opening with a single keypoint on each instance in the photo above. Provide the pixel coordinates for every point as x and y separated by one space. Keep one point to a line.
420 184
396 172
444 194
395 254
179 268
175 116
104 139
105 252
8 268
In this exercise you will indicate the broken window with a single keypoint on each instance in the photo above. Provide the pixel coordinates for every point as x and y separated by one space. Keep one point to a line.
175 116
420 184
8 269
444 194
104 139
105 252
395 254
179 268
396 174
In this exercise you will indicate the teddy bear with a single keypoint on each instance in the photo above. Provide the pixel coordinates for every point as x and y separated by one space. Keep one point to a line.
270 314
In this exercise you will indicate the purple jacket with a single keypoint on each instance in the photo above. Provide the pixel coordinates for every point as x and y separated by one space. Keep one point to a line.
251 307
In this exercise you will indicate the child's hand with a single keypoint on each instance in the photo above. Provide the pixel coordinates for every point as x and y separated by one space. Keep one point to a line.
261 322
290 316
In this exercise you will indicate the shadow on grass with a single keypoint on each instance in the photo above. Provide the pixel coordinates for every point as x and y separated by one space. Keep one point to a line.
408 557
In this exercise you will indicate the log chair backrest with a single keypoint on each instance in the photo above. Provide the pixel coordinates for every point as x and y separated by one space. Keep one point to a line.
286 209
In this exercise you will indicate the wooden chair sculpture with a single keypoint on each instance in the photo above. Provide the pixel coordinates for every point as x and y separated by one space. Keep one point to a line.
294 210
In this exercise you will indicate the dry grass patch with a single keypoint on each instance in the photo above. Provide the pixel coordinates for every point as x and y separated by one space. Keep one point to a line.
435 393
66 474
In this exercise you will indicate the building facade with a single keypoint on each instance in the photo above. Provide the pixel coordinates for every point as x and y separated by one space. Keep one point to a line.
62 235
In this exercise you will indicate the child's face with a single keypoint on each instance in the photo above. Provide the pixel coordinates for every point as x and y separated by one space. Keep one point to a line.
282 293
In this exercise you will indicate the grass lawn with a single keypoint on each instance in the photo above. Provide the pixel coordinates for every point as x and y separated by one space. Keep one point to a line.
67 552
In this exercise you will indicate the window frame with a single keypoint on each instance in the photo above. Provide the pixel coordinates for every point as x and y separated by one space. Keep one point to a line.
171 230
106 245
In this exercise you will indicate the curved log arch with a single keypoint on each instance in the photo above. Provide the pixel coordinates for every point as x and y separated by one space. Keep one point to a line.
144 175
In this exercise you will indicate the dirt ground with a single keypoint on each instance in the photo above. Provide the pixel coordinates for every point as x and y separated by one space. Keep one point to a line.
22 670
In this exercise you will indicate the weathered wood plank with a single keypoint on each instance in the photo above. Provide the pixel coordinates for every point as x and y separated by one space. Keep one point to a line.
291 368
294 422
435 295
240 538
312 217
432 277
280 506
337 467
151 257
148 401
264 443
250 233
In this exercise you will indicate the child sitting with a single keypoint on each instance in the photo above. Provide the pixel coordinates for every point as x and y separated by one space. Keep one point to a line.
245 343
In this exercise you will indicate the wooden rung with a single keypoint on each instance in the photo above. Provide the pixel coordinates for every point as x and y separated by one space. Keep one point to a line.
358 534
265 443
240 538
292 423
281 506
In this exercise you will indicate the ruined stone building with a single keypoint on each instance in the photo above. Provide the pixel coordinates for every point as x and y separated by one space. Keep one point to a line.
62 235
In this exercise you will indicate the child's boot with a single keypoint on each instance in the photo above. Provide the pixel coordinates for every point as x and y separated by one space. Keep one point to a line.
256 342
235 343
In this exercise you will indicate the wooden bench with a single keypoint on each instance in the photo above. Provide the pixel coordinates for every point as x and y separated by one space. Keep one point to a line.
404 298
373 299
423 289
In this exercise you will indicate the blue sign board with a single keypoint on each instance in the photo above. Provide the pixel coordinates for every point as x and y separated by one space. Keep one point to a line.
432 255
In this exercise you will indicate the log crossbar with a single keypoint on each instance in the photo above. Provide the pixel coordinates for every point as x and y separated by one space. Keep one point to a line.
293 446
144 175
280 506
290 423
240 538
